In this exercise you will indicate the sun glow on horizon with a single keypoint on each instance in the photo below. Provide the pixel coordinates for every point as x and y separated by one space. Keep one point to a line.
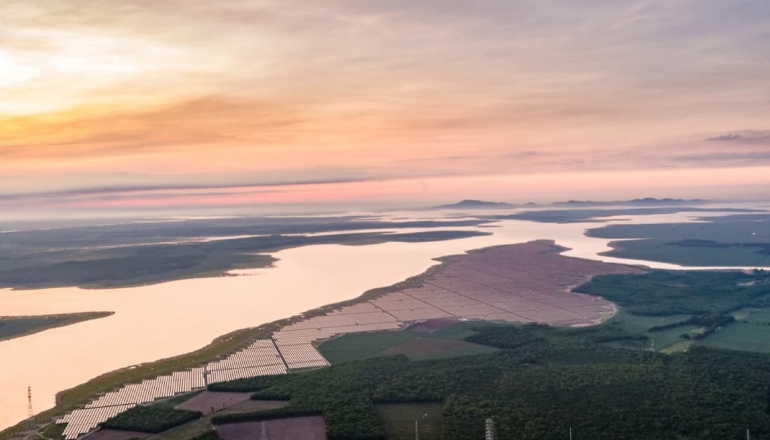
273 93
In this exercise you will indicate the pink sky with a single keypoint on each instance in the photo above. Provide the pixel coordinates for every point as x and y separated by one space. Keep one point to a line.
163 104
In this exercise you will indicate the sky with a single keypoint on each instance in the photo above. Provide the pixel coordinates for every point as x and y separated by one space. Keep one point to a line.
144 104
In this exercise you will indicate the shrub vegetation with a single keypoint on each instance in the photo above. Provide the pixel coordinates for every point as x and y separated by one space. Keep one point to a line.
153 419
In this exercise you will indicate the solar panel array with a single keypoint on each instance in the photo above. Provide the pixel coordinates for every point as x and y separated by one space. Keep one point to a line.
290 348
84 420
261 358
495 285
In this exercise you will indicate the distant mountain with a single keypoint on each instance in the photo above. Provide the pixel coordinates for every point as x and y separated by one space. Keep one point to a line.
476 204
647 201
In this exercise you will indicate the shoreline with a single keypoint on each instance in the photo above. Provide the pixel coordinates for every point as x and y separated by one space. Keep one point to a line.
264 258
222 346
70 399
69 319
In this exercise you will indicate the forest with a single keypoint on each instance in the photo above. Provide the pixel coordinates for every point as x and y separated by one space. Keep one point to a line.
661 293
543 382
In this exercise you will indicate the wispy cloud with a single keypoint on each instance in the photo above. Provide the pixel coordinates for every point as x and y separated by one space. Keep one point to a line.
746 137
263 92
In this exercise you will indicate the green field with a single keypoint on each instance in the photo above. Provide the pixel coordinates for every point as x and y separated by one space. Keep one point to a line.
174 401
361 345
641 324
758 316
740 336
53 431
416 346
398 420
664 298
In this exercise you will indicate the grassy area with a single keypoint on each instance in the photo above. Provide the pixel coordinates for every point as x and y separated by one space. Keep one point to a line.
399 419
53 431
424 348
458 331
446 342
18 326
757 316
659 340
722 309
174 401
740 336
361 345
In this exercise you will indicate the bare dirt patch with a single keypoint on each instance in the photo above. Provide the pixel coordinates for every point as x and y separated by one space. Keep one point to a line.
255 405
294 428
208 402
432 325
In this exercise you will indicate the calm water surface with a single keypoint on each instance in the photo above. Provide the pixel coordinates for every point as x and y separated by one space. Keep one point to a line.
163 320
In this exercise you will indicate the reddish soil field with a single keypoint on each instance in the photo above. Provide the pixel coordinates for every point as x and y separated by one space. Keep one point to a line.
207 400
429 346
294 428
255 405
432 325
115 434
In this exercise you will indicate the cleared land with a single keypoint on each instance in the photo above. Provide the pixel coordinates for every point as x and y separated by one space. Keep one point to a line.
399 419
294 428
209 402
19 326
432 326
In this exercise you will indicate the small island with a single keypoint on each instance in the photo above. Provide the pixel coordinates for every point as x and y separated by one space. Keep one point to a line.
18 326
